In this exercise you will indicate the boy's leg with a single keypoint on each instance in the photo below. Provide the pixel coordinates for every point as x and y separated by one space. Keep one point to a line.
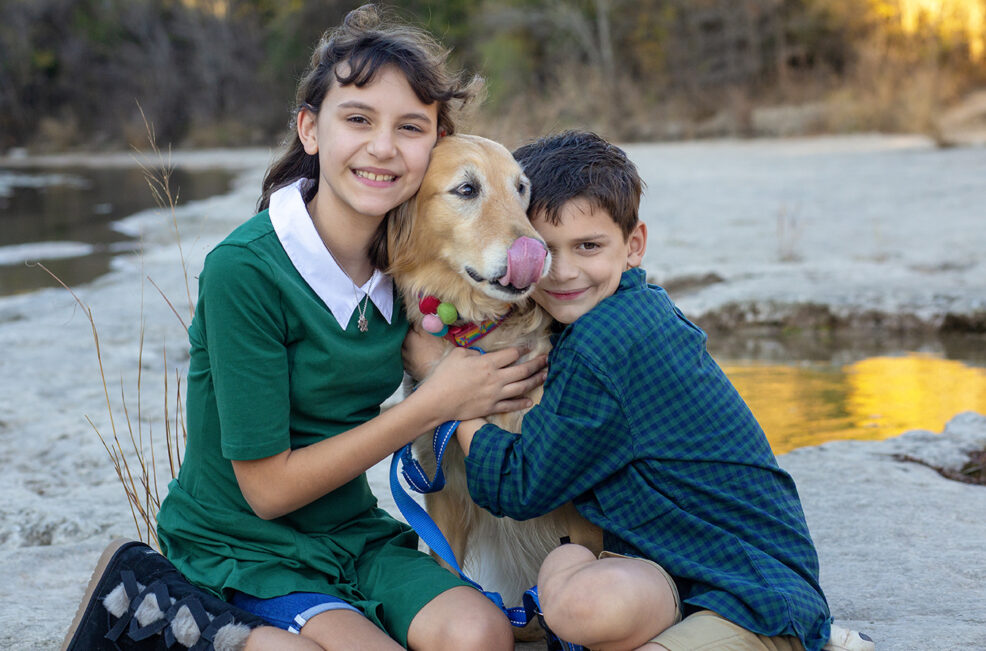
614 602
707 630
460 618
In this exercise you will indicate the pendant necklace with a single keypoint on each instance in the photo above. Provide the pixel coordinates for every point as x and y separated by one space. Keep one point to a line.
361 323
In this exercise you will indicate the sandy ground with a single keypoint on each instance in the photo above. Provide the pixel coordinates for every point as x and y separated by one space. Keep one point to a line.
883 226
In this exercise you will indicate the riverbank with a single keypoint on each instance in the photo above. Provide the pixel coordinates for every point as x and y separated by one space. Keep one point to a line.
899 545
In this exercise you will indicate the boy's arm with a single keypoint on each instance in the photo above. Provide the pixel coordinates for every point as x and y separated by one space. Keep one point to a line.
466 431
574 439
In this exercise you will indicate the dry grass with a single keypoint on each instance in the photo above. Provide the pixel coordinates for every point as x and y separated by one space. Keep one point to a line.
133 451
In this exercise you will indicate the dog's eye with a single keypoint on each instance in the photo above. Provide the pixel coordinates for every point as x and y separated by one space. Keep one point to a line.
521 188
466 190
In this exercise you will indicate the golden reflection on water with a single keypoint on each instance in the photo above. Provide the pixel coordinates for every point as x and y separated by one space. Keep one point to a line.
874 398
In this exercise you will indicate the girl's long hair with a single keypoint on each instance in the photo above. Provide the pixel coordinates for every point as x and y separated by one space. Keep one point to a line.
367 40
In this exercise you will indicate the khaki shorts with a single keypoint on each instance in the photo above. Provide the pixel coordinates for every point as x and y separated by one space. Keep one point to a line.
707 630
674 588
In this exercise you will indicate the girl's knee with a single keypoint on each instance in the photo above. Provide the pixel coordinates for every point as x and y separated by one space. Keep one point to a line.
460 618
479 630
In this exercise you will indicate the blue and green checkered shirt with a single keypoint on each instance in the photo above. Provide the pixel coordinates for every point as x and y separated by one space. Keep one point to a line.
642 430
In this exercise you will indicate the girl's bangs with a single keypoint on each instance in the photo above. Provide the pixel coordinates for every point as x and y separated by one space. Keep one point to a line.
366 62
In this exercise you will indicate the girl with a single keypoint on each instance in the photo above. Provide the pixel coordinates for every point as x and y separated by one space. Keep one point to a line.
295 343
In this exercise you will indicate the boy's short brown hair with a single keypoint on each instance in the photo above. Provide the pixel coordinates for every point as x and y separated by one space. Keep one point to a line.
577 164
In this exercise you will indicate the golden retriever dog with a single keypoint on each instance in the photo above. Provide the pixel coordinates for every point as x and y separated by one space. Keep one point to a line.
465 239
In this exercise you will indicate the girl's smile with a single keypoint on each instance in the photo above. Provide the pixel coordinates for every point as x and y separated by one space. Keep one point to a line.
373 144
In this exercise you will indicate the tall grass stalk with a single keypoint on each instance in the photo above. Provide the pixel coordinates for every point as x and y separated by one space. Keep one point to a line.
134 456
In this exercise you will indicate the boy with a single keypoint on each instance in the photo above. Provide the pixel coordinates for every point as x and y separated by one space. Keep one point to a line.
642 430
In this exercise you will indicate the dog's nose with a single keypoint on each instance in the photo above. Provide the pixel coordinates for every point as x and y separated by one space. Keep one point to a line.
525 261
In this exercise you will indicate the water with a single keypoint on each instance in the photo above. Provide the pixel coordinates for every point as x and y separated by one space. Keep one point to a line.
64 219
805 392
805 388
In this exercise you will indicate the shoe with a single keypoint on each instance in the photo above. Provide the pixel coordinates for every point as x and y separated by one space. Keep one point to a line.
842 639
138 600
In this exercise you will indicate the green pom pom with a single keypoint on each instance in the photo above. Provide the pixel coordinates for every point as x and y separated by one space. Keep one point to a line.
446 312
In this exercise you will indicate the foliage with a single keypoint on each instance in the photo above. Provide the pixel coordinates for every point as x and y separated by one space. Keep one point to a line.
222 72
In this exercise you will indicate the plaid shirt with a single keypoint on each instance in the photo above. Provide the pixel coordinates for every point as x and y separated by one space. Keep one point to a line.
643 431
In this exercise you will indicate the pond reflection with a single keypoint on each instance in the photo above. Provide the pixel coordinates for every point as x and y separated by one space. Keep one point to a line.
65 218
872 398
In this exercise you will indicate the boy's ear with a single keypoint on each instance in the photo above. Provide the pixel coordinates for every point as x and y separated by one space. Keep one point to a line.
636 245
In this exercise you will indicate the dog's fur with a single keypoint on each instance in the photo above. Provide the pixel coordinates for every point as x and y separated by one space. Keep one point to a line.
432 240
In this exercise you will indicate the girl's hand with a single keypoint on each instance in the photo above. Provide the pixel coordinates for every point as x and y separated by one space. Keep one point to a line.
466 384
421 351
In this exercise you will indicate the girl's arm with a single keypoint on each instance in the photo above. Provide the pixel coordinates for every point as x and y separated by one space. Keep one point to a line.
464 385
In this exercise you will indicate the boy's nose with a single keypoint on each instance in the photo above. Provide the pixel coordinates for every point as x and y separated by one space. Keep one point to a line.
561 268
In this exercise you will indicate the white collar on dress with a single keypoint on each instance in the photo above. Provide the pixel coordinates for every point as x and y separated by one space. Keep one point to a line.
297 234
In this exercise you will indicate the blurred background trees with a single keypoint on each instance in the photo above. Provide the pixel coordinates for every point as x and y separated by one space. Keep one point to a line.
222 72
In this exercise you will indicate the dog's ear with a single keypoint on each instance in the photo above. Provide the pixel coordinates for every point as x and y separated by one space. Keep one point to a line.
399 225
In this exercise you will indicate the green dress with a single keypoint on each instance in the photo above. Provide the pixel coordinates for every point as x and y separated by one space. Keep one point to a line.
272 370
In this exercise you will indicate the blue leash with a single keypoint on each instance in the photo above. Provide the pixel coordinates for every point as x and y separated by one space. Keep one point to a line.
422 523
429 532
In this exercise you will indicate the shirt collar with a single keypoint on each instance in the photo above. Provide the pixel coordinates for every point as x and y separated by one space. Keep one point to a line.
296 232
629 279
635 277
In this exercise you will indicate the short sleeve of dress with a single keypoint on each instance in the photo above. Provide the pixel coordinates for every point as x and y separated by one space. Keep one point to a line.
245 339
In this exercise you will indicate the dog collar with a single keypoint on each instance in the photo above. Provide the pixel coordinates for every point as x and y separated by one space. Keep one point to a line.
440 317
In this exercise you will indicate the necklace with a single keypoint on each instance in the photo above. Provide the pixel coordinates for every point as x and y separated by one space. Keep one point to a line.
361 323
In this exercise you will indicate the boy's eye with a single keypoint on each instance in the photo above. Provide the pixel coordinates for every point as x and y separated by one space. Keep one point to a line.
589 246
467 190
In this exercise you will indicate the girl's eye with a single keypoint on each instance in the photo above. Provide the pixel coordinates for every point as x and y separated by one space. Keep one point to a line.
413 128
466 190
357 119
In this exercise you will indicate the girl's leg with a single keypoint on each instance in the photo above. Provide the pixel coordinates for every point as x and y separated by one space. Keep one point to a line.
346 630
608 603
460 618
270 637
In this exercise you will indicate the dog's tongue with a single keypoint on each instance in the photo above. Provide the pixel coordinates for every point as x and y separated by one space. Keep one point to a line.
525 260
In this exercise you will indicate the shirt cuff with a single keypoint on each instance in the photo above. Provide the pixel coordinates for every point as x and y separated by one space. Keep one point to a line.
488 452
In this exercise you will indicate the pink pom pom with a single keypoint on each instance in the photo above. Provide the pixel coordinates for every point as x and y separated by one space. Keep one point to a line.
432 323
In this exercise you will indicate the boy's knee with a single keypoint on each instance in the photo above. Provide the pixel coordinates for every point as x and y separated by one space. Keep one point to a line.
596 601
560 565
575 591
